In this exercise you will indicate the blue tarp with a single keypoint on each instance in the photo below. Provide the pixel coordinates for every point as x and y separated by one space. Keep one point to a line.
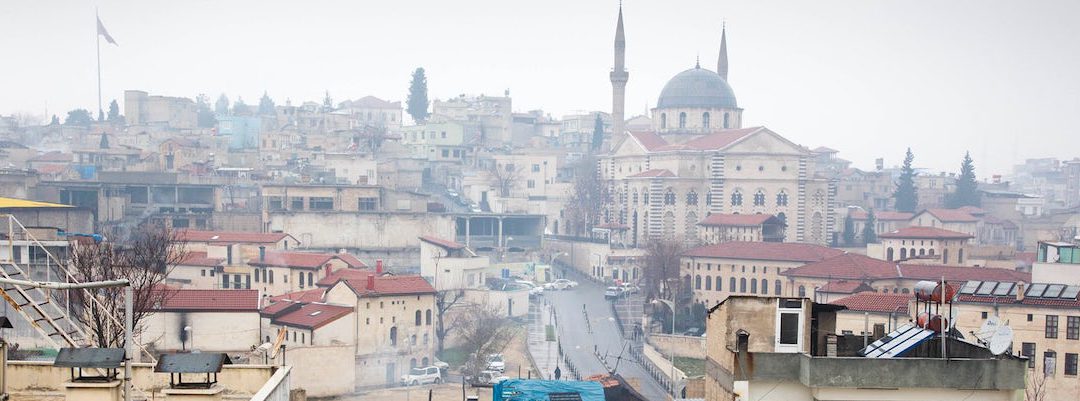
538 390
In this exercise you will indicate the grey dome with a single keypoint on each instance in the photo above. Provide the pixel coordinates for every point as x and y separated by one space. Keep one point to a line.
697 88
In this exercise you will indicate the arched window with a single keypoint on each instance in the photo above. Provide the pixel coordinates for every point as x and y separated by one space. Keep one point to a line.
753 286
682 120
669 197
427 317
708 283
310 282
736 198
425 360
922 251
427 339
782 198
705 120
903 253
697 282
960 256
708 199
412 363
731 284
742 285
759 198
726 121
889 254
778 288
931 252
393 336
412 339
765 286
719 283
634 197
802 291
663 120
417 317
645 197
691 198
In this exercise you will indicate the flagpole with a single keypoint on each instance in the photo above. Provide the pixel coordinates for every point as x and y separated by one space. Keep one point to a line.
97 20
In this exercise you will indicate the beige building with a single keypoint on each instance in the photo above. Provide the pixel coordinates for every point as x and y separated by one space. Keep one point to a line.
204 320
170 112
370 111
770 348
721 227
718 271
394 328
958 220
923 245
280 272
450 265
884 221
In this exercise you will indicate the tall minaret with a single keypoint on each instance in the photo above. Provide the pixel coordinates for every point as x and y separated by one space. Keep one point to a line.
619 76
721 63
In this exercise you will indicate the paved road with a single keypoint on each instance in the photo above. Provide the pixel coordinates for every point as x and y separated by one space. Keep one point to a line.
600 332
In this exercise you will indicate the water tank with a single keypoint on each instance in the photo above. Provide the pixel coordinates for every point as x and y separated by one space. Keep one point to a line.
928 291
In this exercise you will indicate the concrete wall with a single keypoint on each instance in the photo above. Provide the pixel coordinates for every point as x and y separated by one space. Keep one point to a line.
509 303
210 331
583 256
323 371
682 346
29 378
365 230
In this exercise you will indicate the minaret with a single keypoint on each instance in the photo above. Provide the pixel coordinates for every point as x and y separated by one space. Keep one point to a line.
619 76
721 63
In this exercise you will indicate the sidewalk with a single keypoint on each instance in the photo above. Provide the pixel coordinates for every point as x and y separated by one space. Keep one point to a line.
544 349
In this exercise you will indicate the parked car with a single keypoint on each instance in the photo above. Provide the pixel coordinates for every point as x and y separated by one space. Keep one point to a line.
533 288
628 288
486 378
613 292
425 375
560 284
495 363
473 207
452 193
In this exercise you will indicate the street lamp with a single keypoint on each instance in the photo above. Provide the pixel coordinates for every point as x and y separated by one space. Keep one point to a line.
187 330
671 350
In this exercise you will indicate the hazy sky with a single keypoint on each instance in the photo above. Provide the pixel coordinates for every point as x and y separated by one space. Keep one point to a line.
998 78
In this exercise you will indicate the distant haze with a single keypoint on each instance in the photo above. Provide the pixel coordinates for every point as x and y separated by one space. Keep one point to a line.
998 78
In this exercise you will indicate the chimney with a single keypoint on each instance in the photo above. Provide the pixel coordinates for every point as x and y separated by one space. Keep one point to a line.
326 270
1020 291
378 266
371 282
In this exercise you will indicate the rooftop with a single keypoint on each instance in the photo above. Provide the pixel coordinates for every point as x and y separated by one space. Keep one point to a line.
860 215
231 237
871 301
391 285
916 232
197 258
305 260
952 215
778 251
852 266
190 300
312 316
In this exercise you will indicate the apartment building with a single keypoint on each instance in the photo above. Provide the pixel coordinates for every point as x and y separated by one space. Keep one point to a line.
715 272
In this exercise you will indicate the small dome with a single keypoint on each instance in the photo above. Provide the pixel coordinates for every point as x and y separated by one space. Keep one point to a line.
697 88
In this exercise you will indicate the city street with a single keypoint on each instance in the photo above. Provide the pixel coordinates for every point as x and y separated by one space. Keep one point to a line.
580 337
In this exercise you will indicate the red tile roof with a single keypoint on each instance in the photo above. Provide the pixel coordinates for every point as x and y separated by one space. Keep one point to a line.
304 260
782 251
343 274
844 287
860 215
392 285
231 237
370 102
444 243
972 210
53 157
649 140
280 307
720 139
660 172
195 258
744 220
917 232
876 302
305 296
1011 300
952 215
51 169
312 316
211 301
852 266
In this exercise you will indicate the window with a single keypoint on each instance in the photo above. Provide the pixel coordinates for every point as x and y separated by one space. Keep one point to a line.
310 282
984 315
427 321
446 153
719 283
802 291
778 288
1072 328
697 282
1049 363
736 198
726 120
669 197
442 135
1070 364
742 285
1051 326
682 120
753 286
731 284
275 203
705 120
764 287
789 328
708 283
536 168
296 203
782 199
320 203
393 336
663 120
1030 317
203 272
302 339
532 184
1028 350
509 167
759 198
225 281
271 277
367 204
691 198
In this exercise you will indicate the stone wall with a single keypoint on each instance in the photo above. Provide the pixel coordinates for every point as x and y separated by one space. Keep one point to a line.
682 346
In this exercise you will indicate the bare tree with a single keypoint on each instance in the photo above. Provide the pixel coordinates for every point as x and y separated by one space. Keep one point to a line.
662 267
1036 386
503 177
144 258
446 300
484 331
588 197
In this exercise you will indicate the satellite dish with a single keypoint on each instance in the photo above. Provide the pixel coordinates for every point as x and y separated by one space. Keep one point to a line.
1001 341
989 327
952 319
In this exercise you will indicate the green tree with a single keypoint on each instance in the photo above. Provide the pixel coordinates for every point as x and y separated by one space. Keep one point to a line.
597 133
906 195
114 111
221 107
869 233
967 188
240 108
55 120
418 99
327 103
266 105
205 116
849 231
79 117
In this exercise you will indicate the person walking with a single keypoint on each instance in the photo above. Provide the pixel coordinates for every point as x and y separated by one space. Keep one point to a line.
558 373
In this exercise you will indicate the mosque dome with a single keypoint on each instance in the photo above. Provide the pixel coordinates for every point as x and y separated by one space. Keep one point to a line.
697 88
